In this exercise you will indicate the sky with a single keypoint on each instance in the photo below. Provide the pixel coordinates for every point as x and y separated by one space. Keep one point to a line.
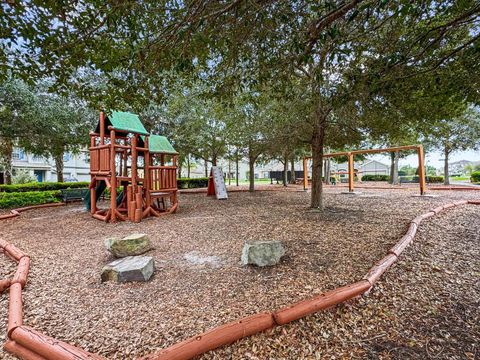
433 158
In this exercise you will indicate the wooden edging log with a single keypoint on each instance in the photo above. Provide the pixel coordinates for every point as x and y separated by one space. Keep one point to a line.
21 274
48 347
4 285
320 302
15 308
14 252
8 216
214 338
16 212
23 353
379 268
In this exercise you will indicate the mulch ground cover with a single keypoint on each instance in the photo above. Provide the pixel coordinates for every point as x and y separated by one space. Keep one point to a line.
200 283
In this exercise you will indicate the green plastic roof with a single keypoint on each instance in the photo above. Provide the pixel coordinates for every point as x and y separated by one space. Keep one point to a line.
160 144
125 122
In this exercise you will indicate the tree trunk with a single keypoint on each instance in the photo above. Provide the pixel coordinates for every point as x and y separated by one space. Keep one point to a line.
327 171
318 139
251 175
6 154
285 170
206 168
446 173
392 167
293 178
396 157
236 168
59 167
188 166
179 167
214 160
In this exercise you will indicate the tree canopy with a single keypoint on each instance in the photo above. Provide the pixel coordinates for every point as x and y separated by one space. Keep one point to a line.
358 67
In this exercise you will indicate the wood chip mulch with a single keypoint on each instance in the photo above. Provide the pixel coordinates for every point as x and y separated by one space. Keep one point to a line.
425 306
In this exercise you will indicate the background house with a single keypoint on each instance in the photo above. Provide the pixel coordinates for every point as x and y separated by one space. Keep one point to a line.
76 167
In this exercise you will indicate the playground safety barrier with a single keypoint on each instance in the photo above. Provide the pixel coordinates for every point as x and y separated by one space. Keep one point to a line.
29 344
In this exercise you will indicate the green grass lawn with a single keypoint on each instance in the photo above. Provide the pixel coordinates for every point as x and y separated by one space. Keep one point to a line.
246 182
459 178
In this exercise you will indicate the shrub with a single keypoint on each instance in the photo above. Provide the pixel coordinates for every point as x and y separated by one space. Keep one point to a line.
43 186
475 177
20 199
434 179
23 177
190 183
428 179
375 178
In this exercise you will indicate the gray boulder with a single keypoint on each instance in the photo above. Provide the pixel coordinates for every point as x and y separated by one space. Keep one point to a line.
262 253
131 268
135 244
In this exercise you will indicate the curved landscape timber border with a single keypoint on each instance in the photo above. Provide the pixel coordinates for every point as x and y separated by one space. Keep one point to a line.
29 344
16 212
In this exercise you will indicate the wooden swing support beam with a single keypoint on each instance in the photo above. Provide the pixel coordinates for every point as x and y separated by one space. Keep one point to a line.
350 155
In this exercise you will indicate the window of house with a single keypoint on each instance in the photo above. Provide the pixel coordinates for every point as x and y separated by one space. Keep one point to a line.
67 157
37 159
19 155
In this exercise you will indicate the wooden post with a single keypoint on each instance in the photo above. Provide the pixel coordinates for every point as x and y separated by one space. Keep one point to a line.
305 174
134 163
350 172
93 199
146 176
421 170
102 128
130 211
113 178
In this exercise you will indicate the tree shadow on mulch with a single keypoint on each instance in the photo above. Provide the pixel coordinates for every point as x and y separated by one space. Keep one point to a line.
453 333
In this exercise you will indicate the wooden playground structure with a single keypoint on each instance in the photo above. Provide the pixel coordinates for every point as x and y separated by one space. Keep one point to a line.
137 168
351 172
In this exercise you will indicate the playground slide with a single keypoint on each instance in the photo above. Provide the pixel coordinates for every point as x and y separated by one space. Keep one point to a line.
99 191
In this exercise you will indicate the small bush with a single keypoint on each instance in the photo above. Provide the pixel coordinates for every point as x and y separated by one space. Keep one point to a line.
434 179
375 178
21 199
43 186
191 183
475 177
23 177
428 179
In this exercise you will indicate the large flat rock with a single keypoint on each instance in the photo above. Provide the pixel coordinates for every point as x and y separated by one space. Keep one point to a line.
262 253
131 268
131 245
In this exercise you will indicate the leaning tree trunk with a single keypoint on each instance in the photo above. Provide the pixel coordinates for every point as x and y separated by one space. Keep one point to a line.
59 167
318 140
285 170
446 172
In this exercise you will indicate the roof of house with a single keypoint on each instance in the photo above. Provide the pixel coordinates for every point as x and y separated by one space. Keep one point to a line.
374 161
124 122
160 144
